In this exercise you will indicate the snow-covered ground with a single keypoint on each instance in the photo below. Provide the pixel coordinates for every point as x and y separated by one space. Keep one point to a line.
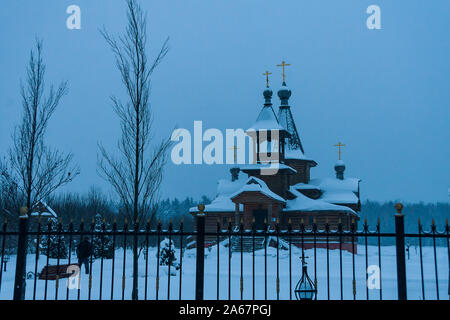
388 275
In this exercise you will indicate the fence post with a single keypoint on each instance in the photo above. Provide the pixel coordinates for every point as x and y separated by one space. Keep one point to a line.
400 250
200 245
21 262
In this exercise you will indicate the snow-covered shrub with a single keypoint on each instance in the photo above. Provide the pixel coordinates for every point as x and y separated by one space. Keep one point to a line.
54 246
101 244
167 254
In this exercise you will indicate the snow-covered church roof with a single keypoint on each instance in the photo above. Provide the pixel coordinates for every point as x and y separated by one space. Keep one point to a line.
254 184
266 167
295 154
305 186
338 191
222 202
266 120
349 184
303 203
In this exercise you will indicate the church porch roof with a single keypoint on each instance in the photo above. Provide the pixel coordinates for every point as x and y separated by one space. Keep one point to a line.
256 185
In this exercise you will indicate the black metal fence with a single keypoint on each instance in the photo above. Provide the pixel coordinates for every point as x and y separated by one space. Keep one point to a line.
178 270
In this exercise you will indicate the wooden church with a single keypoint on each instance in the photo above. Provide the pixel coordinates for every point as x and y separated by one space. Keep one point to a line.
254 194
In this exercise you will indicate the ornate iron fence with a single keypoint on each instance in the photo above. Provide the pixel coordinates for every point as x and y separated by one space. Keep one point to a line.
41 279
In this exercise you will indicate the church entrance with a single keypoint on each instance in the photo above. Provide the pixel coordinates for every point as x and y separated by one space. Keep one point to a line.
259 215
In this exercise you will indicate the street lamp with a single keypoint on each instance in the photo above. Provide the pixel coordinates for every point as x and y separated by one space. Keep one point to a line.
305 288
5 261
21 259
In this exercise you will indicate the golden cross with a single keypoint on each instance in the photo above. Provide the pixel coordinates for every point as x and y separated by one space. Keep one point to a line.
283 64
267 73
339 145
234 149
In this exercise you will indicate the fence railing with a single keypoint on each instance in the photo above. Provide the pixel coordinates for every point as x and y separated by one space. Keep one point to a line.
184 267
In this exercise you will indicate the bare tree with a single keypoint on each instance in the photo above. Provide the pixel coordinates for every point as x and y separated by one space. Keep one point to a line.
136 173
37 169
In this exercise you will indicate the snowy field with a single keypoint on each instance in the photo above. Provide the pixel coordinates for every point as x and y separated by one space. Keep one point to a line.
388 275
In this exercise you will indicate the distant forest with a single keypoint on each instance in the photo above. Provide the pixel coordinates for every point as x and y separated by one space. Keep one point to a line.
412 211
427 212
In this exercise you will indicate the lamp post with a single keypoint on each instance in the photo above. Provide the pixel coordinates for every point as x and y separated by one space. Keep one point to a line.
19 280
305 288
400 252
5 261
200 259
408 244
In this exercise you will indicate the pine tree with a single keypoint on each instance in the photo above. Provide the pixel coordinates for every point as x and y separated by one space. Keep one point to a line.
167 253
102 245
53 245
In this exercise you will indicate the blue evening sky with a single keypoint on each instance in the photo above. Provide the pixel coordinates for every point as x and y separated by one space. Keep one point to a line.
384 93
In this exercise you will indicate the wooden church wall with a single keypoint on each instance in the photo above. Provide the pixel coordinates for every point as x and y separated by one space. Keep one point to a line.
302 168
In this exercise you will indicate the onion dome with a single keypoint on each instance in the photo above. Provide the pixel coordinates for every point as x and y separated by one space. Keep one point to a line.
339 167
284 94
268 96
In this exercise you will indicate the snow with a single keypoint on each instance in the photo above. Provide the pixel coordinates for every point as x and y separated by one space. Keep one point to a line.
265 125
343 197
303 203
262 167
388 275
42 214
228 187
348 184
222 202
266 120
338 191
295 154
305 186
254 184
48 213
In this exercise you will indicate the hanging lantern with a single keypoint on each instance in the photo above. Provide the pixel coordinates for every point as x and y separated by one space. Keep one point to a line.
305 288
